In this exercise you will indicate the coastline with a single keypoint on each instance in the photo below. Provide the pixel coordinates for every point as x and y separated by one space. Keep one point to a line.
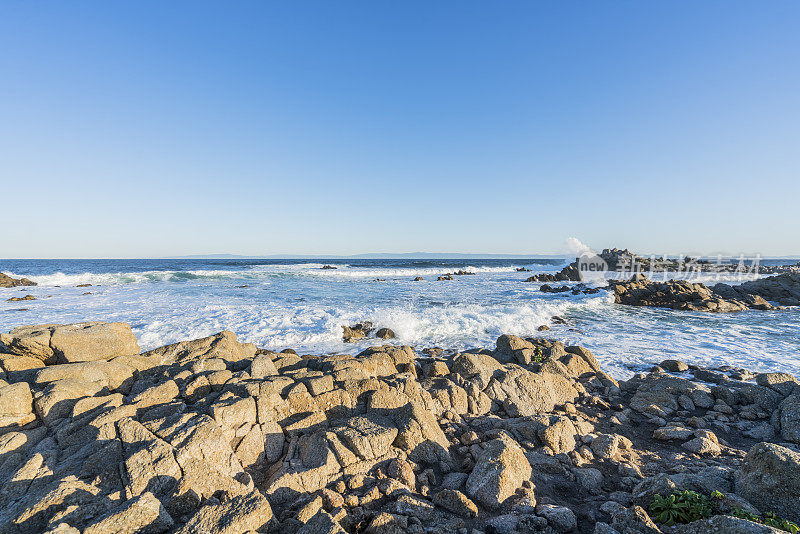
528 436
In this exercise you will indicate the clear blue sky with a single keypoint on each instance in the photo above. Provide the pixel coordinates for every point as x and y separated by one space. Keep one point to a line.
134 129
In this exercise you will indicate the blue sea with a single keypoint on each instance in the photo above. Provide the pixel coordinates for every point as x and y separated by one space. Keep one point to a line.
280 304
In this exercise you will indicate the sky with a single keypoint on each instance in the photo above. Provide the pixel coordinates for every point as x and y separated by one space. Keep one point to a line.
150 129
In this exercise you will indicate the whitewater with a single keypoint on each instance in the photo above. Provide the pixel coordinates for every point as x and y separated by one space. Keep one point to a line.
280 304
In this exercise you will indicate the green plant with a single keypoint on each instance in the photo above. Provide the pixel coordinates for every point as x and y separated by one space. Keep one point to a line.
769 519
682 506
718 495
538 355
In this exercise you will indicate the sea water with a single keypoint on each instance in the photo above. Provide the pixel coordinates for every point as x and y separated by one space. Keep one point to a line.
297 304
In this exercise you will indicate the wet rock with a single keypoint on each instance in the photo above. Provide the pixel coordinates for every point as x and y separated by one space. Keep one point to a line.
357 331
385 333
7 281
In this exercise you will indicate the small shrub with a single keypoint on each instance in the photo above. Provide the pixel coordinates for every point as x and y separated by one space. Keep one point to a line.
538 355
680 507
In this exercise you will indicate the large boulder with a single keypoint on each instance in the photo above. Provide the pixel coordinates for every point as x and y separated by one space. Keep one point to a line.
769 478
80 342
500 469
523 393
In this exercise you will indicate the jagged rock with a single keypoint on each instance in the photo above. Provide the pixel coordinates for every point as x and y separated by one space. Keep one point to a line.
561 518
321 523
705 442
769 478
456 502
141 515
682 295
357 331
7 281
385 333
634 521
500 469
223 345
241 514
783 288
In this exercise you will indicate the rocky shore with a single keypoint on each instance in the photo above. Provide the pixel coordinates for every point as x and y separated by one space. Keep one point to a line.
684 295
214 435
624 261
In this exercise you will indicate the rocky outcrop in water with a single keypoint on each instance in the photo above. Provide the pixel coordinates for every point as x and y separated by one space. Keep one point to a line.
214 435
685 295
7 281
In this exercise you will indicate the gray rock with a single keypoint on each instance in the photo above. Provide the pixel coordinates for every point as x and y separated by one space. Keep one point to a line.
769 478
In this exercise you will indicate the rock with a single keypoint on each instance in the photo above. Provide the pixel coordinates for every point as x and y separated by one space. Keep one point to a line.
15 362
59 397
783 288
683 295
590 479
16 405
262 367
769 478
500 469
561 518
634 521
456 502
385 523
357 331
666 433
141 515
705 443
21 299
417 279
223 345
369 436
606 445
674 366
149 463
385 333
7 281
241 514
79 342
783 383
790 419
322 523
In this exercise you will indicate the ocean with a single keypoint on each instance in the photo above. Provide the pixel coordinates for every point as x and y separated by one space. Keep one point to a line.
297 304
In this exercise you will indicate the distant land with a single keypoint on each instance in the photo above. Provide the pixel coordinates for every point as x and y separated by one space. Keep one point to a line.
373 256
